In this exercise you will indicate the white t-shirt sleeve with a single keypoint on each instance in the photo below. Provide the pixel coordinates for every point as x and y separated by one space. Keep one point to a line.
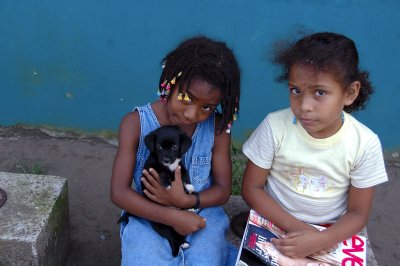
260 147
369 168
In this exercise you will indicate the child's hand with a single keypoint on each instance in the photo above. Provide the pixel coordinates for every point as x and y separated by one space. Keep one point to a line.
299 244
188 222
173 196
325 250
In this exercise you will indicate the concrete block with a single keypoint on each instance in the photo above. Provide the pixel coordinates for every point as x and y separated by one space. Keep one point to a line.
34 221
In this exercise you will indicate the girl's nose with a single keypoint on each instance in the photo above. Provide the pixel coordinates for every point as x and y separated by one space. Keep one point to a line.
190 114
306 103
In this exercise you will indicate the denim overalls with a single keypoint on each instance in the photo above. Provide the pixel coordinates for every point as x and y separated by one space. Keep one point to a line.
141 245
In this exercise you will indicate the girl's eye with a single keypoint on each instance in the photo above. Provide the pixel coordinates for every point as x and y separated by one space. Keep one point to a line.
158 146
294 91
174 147
320 92
207 108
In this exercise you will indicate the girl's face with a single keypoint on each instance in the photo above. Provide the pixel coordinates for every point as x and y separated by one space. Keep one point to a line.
317 100
203 100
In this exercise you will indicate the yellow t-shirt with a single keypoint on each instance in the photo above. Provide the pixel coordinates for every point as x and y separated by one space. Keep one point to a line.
310 177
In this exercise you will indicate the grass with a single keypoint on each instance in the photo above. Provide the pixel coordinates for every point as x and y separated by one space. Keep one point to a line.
238 165
34 169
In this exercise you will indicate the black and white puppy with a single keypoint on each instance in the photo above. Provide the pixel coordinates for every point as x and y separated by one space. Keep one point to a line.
167 145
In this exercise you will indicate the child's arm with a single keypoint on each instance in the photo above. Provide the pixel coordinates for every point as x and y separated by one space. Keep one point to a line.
123 196
358 209
258 199
221 167
301 244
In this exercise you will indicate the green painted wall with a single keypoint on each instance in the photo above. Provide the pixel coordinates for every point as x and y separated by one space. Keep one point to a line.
84 64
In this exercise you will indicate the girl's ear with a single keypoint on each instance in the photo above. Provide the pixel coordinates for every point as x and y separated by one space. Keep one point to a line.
352 92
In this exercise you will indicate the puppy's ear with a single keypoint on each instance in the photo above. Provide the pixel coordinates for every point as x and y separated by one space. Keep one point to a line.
150 141
185 143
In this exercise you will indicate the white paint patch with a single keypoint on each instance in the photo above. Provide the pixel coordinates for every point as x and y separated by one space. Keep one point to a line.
69 95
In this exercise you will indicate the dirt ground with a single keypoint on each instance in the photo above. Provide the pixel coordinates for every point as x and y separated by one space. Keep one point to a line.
86 162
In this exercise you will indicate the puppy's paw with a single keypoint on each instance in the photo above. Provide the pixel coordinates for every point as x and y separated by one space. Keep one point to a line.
189 188
185 245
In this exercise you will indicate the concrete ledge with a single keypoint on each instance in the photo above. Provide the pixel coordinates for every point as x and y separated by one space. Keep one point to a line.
34 224
236 205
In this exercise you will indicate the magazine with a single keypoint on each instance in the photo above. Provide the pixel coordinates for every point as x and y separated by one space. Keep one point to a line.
257 249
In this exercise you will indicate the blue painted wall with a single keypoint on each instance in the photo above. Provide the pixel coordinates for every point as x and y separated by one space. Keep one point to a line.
84 64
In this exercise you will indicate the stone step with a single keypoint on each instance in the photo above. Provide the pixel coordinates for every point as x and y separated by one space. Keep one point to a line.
34 220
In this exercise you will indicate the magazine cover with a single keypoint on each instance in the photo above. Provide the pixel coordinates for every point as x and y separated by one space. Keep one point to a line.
256 247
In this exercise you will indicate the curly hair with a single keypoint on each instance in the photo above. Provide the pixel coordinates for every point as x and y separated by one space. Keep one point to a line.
331 53
209 60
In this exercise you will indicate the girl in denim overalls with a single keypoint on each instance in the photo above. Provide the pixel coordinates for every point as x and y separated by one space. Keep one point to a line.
198 77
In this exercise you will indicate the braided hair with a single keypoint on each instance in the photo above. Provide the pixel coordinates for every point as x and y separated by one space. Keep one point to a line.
331 53
208 60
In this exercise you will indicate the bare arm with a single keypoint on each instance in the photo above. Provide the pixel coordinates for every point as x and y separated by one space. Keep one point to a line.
221 168
258 199
123 196
358 208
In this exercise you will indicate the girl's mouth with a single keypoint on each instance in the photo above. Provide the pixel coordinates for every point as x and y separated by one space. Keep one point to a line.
306 121
184 123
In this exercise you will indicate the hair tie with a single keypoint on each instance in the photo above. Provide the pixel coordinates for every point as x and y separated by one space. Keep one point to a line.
165 87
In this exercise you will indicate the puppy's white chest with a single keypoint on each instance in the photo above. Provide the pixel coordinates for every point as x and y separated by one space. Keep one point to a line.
174 165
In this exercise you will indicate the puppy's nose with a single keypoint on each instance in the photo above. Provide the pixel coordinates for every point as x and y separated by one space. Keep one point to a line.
167 160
